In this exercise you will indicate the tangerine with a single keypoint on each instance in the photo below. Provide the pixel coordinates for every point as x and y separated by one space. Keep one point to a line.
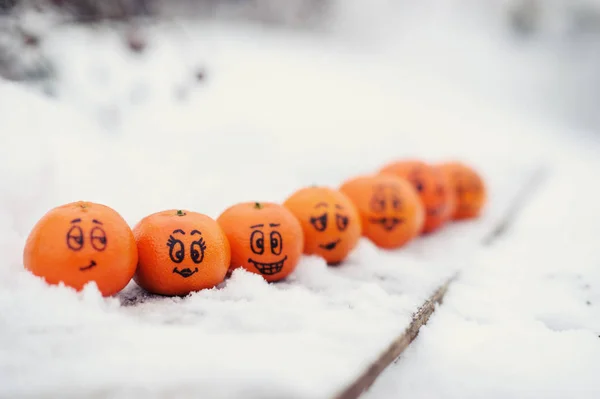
469 188
180 252
390 210
266 238
81 242
433 188
330 222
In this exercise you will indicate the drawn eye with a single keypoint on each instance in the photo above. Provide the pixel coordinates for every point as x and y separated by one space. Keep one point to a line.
396 203
378 203
419 186
319 223
276 243
75 238
98 239
341 221
197 251
176 249
257 242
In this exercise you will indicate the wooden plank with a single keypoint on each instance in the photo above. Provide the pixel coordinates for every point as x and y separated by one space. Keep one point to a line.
421 316
512 213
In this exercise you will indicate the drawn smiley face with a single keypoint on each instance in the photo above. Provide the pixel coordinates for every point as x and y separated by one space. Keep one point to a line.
267 244
386 207
265 238
180 252
390 209
330 222
321 223
177 250
82 242
469 188
433 187
433 190
90 244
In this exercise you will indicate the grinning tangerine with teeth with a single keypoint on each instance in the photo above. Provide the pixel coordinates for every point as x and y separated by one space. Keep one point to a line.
180 252
82 242
265 238
389 208
433 187
268 269
330 222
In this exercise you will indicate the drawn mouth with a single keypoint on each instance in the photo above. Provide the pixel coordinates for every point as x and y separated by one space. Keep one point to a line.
388 224
331 245
268 269
88 267
185 273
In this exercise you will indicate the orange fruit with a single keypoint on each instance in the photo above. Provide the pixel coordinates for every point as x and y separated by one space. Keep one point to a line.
433 187
265 238
390 210
80 242
329 220
180 252
469 188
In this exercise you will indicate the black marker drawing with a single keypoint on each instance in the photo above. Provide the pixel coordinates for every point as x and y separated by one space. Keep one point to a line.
330 245
75 239
268 268
388 223
341 221
416 180
276 243
98 238
197 249
177 251
185 273
319 222
257 245
386 199
257 242
88 267
378 201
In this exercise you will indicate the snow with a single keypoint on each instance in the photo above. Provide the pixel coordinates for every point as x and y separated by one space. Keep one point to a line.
523 319
276 111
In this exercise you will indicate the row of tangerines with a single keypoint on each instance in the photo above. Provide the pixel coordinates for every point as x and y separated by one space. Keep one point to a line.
176 252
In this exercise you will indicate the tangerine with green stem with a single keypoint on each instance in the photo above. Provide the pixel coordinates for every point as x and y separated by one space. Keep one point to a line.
180 252
265 238
82 242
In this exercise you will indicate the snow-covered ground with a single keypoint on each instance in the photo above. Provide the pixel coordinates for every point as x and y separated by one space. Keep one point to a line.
277 111
523 321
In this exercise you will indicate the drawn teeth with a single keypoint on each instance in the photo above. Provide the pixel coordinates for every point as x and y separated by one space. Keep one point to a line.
268 268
